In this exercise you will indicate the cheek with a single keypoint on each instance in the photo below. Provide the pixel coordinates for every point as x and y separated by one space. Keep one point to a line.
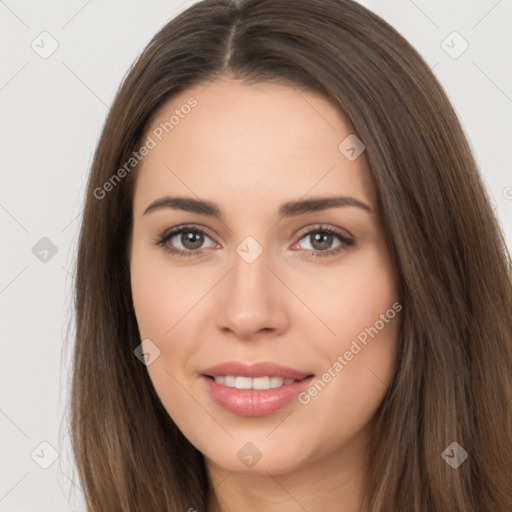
360 305
162 297
359 364
349 298
163 294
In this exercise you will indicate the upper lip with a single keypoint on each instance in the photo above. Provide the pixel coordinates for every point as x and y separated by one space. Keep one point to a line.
262 369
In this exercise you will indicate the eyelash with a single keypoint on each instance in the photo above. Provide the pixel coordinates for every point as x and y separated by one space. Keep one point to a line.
167 235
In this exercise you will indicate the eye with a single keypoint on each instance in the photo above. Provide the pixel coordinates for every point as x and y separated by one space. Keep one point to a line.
325 241
189 240
184 241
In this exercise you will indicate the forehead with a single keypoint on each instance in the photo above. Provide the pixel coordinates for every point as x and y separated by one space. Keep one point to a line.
231 140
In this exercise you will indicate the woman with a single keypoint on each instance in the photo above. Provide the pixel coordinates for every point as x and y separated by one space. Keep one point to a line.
292 292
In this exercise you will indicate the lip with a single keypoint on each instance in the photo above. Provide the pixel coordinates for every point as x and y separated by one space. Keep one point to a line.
252 402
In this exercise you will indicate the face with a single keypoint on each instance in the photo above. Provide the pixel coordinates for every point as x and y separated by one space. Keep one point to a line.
261 278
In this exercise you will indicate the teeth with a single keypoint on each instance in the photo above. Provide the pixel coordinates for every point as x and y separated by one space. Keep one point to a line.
260 383
243 382
229 380
276 382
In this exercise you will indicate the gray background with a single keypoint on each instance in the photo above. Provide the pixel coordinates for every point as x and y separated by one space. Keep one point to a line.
52 111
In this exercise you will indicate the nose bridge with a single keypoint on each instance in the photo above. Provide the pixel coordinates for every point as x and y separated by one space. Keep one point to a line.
251 301
250 275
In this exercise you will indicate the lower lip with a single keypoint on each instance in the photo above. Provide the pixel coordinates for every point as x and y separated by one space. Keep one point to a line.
254 402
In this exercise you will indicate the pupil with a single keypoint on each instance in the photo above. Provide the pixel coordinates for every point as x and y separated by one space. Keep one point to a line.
322 240
191 239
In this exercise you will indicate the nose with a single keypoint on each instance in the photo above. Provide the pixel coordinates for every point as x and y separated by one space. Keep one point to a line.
252 301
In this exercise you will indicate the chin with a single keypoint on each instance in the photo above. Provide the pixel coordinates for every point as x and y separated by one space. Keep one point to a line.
257 457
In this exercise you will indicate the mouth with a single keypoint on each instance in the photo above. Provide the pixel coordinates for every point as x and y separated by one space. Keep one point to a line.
254 390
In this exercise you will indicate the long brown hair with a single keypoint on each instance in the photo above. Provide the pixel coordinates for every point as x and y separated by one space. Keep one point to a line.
453 380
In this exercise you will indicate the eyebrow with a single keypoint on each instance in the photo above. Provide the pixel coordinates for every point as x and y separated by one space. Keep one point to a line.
288 209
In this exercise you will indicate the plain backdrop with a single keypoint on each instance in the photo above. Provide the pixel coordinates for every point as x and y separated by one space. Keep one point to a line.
52 110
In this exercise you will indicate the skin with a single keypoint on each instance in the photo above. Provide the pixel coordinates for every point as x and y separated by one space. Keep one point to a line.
249 149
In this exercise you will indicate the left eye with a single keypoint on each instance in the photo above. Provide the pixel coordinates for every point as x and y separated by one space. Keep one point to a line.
321 240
